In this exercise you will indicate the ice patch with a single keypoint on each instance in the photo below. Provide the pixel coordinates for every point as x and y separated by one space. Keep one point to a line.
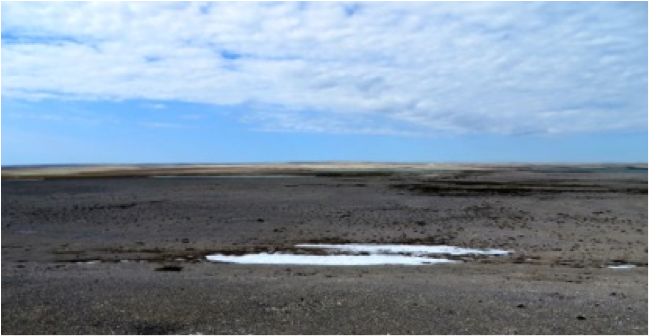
331 260
415 250
622 266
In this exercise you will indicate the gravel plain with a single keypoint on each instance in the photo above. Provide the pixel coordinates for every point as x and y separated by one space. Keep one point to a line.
126 255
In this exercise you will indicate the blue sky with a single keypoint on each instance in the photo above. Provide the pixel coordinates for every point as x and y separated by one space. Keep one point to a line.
262 82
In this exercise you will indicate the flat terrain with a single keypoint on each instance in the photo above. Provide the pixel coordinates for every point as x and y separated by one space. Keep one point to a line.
82 253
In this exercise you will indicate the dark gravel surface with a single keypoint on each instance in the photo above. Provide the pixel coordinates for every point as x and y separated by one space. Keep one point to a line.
564 230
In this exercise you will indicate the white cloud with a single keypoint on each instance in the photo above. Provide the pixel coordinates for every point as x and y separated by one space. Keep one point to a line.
381 68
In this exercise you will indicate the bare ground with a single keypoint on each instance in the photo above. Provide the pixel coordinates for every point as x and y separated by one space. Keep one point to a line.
151 236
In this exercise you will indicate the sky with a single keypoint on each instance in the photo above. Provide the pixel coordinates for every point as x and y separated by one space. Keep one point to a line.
197 82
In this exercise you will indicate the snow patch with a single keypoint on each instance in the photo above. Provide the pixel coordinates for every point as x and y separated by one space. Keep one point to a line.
622 266
416 250
356 255
89 262
332 260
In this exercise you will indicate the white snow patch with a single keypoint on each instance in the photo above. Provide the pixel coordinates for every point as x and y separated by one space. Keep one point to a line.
622 266
357 254
89 262
333 260
415 250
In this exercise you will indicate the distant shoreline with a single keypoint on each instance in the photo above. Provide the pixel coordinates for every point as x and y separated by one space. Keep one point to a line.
331 169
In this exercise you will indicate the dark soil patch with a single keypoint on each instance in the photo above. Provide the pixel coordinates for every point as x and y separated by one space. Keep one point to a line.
480 188
169 268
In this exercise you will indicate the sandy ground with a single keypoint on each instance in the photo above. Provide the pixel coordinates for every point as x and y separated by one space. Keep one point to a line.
151 236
